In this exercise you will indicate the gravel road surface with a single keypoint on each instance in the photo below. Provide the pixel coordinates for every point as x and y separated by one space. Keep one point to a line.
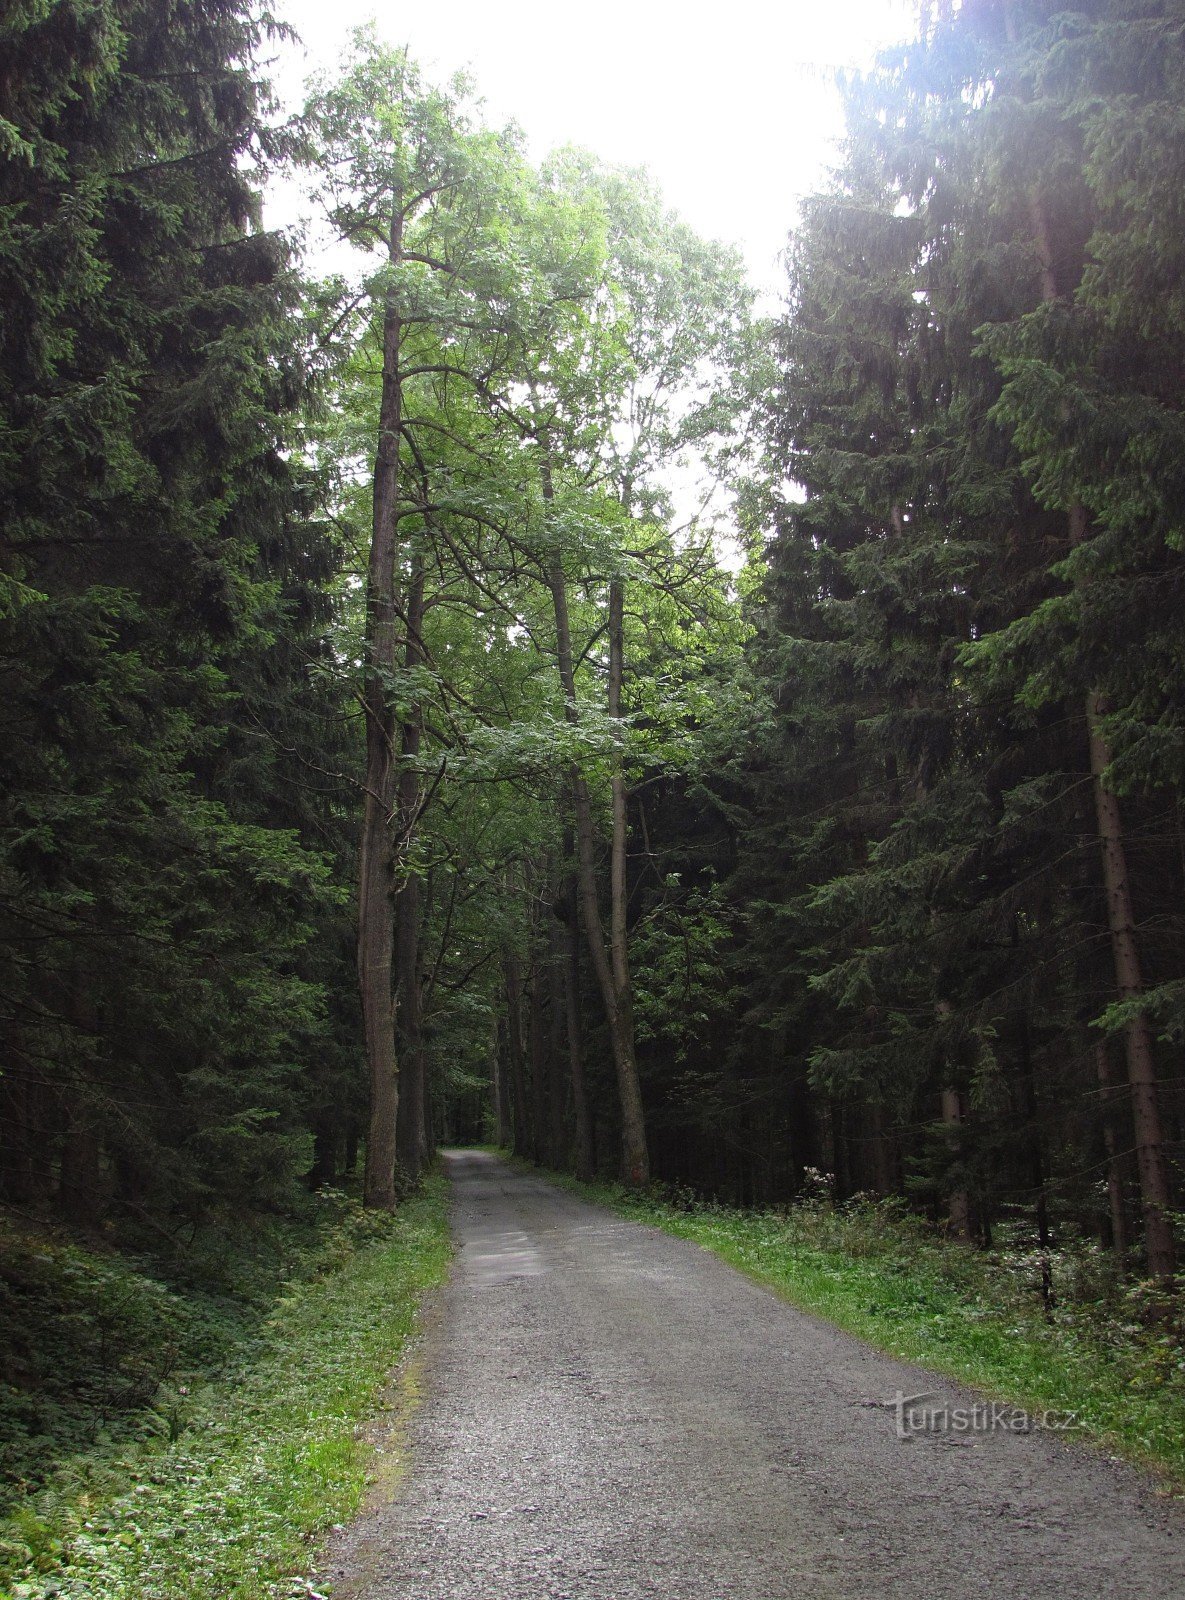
610 1413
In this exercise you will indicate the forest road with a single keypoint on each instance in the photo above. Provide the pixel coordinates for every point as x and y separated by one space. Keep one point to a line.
611 1413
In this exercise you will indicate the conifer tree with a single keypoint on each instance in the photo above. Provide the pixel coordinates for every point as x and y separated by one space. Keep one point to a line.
159 581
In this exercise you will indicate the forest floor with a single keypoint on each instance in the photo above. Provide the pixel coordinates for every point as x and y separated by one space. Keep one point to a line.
216 1481
613 1412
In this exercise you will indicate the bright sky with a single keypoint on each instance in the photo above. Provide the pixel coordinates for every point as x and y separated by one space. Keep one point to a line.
728 104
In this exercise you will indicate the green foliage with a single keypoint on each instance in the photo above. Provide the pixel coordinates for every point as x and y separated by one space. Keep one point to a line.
90 1342
230 1479
562 342
165 864
968 351
677 947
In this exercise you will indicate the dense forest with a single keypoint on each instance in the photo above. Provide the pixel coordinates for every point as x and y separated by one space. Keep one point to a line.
513 691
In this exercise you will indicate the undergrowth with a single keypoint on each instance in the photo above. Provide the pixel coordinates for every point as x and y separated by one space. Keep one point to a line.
1109 1351
212 1487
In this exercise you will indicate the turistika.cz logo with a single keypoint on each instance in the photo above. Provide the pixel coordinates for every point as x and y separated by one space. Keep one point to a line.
913 1414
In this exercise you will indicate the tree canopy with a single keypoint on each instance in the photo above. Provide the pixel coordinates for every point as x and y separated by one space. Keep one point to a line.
511 689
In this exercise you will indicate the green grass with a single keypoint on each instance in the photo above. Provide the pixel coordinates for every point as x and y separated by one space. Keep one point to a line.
268 1457
879 1273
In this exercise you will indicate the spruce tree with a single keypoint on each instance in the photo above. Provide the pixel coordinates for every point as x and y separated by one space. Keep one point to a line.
159 575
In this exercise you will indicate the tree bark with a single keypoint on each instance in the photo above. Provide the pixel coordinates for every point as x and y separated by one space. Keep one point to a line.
959 1205
521 1133
635 1166
1151 1163
635 1160
1116 1198
26 1115
500 1088
635 1156
411 1140
326 1139
585 1154
884 1153
954 1113
80 1181
537 1035
1039 1164
376 853
557 1124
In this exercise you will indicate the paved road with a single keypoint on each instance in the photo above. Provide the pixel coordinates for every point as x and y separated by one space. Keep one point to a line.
613 1414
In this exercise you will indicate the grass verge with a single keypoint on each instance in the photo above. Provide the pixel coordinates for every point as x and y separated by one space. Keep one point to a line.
270 1456
876 1271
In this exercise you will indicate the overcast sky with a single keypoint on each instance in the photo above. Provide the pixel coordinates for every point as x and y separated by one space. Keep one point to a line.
728 105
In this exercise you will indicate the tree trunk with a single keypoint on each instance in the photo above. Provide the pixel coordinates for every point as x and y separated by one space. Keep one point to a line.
326 1139
585 1155
80 1180
500 1088
537 1035
521 1134
26 1176
1116 1199
410 1142
884 1154
1151 1162
1038 1159
376 921
411 1135
959 1205
842 1165
557 1127
635 1157
635 1162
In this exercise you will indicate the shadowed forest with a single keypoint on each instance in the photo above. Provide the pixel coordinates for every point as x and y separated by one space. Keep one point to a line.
515 688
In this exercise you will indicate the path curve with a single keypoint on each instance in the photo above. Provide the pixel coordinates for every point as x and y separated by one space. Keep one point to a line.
612 1413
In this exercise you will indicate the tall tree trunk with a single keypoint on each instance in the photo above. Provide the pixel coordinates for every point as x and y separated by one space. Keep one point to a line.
585 1154
842 1166
521 1136
1151 1162
959 1204
82 1148
635 1161
326 1139
80 1182
500 1087
1116 1198
953 1105
635 1156
1039 1164
557 1128
884 1154
26 1117
537 1036
411 1135
376 919
410 1142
